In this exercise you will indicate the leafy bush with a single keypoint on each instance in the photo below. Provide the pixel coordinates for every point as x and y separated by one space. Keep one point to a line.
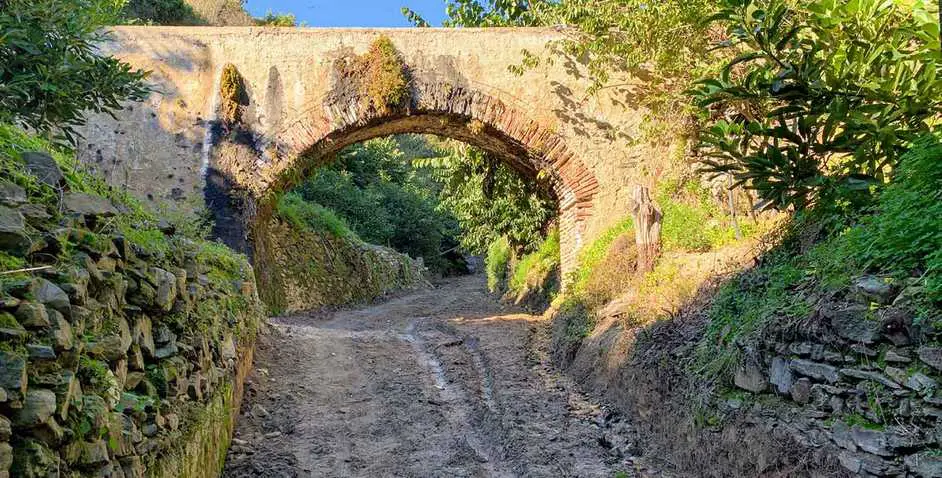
374 189
899 237
692 221
310 216
823 98
537 264
51 71
904 235
277 20
160 12
497 264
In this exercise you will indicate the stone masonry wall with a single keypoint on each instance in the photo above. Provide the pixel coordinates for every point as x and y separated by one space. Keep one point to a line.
865 380
122 354
306 270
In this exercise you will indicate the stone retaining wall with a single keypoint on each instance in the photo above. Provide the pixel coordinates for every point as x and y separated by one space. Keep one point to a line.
304 270
121 354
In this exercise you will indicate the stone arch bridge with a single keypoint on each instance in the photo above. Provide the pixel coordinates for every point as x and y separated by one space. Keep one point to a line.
587 148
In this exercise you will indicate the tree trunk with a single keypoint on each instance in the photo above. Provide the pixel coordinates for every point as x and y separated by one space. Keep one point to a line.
647 217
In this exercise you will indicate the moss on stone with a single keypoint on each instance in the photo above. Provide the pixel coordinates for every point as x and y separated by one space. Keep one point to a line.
233 95
380 76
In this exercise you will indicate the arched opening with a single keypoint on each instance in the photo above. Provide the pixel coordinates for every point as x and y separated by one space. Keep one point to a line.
336 194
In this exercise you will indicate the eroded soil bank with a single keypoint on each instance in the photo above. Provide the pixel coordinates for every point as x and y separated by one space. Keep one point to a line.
443 382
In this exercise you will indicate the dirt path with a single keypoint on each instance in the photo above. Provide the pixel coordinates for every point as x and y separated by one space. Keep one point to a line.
440 383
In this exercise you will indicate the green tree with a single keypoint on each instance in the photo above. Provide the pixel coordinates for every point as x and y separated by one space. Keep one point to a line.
489 199
373 187
51 72
823 96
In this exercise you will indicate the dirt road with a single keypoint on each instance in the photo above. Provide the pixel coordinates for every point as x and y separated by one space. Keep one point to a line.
439 383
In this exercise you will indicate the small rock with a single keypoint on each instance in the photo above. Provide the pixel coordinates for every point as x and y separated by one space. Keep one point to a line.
874 289
51 295
864 350
921 383
896 357
110 348
163 335
32 315
40 352
13 373
13 237
780 375
931 356
6 429
142 335
749 377
62 335
166 288
801 391
149 429
132 466
167 351
259 411
866 464
925 464
272 435
872 376
854 323
91 453
227 349
11 194
88 205
34 212
45 168
6 459
10 329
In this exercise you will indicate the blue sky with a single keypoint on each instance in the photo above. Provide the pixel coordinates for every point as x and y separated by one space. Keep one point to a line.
351 13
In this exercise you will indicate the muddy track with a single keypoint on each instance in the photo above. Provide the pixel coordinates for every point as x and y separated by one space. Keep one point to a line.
440 383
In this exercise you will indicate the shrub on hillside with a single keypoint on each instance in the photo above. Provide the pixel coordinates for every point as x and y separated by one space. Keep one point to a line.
51 71
497 263
160 12
899 238
310 216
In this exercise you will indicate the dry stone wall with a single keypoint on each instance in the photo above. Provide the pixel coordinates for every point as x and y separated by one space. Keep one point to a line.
119 357
306 270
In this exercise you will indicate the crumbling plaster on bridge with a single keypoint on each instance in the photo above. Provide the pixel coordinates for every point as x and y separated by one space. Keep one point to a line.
155 148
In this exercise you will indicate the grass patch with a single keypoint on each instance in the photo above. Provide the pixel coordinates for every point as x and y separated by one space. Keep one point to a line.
313 217
594 253
692 220
497 263
536 264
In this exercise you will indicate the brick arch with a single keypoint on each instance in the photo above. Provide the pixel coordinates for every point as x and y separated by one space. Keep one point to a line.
440 108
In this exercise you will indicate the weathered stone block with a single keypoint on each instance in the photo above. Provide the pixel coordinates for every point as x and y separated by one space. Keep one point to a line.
32 315
925 464
815 370
51 295
931 356
38 406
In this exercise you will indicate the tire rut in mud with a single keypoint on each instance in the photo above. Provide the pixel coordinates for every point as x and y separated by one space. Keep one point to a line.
439 383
